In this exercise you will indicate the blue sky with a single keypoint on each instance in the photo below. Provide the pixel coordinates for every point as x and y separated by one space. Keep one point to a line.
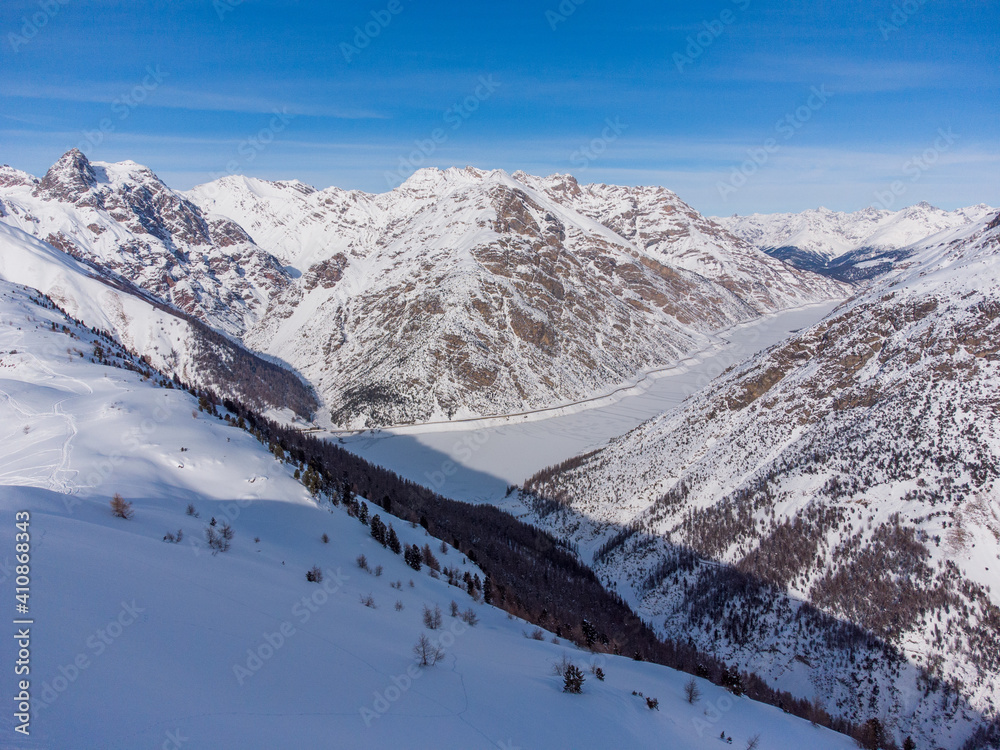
737 105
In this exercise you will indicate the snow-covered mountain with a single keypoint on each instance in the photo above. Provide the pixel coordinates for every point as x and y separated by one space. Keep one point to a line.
848 482
460 293
465 292
122 218
138 642
167 339
851 246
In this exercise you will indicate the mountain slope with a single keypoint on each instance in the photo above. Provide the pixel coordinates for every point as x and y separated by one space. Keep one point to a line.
167 339
849 246
848 479
237 649
124 219
464 292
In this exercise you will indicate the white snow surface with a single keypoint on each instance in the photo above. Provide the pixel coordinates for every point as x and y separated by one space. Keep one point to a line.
136 642
831 234
878 420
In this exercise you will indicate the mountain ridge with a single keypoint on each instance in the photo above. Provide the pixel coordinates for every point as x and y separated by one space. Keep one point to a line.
851 469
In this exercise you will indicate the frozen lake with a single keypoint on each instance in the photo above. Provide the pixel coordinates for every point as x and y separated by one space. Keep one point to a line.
477 460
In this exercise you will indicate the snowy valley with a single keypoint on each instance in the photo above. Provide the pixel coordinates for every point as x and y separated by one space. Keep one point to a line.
236 648
759 450
827 510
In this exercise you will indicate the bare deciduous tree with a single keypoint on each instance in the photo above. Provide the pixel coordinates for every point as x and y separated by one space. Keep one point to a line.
691 691
427 652
432 617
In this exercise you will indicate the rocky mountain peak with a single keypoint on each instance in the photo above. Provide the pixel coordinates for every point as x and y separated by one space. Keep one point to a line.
10 177
70 179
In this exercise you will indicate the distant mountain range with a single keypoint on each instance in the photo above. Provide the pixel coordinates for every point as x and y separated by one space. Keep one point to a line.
848 246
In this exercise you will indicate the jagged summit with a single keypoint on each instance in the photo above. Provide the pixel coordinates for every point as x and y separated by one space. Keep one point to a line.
517 285
122 217
70 179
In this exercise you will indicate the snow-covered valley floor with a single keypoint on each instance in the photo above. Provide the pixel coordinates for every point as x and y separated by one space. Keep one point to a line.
478 460
139 643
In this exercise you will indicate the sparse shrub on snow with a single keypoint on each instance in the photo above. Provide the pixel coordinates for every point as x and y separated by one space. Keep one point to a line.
120 507
219 540
432 617
427 652
573 680
691 691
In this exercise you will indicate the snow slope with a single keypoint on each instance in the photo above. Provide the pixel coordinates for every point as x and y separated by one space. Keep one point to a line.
849 478
466 292
831 234
169 341
138 643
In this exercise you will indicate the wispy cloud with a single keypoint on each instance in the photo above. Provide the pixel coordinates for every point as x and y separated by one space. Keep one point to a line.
177 98
843 74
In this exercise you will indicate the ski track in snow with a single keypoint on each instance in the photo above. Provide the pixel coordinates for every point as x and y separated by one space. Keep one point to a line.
60 477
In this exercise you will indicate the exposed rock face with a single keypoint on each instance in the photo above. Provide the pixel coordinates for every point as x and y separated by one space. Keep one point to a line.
123 218
854 467
467 292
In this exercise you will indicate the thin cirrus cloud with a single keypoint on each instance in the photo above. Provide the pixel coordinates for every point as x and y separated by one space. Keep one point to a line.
170 97
854 76
841 178
363 115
